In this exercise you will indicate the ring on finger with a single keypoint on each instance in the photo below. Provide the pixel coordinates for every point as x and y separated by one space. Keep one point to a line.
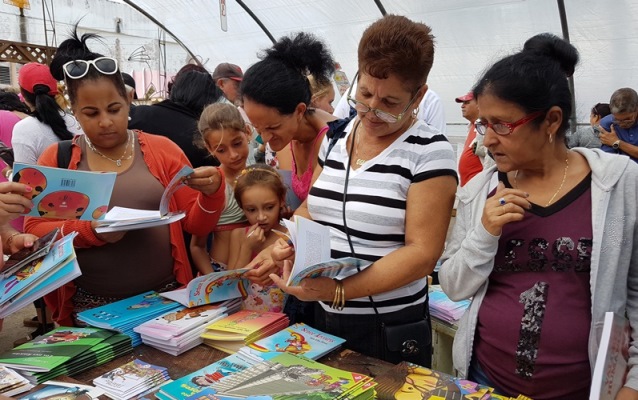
210 179
502 201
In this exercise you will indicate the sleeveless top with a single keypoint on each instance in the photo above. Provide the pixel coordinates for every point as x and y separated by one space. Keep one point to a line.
232 213
301 185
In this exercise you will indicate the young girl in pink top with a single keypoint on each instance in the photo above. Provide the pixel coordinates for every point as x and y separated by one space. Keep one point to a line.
261 193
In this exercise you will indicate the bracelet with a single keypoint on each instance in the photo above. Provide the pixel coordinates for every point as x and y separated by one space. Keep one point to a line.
7 173
203 209
339 300
9 241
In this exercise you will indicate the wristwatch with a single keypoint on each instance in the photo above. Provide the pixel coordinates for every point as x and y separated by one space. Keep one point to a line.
616 145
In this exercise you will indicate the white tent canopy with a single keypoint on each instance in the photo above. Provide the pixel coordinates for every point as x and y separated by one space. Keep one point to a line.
470 34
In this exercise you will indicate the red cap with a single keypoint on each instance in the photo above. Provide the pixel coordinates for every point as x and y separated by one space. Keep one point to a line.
33 74
466 97
227 70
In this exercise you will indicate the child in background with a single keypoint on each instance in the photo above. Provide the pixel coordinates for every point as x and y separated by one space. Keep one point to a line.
261 193
225 135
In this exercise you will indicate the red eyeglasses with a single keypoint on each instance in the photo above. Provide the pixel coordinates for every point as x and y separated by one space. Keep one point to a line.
504 128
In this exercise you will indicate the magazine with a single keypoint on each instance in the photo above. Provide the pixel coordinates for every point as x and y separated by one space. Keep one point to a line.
123 219
610 370
64 193
211 288
311 241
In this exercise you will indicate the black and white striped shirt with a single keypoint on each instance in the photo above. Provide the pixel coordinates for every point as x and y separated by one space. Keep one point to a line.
376 203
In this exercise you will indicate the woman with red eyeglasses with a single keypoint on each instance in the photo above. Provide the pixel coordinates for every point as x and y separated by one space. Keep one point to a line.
544 242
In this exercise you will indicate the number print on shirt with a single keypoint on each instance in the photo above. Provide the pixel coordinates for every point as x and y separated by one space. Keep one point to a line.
534 300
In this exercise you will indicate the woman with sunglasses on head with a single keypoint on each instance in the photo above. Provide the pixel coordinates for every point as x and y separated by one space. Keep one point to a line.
122 264
537 239
386 190
277 95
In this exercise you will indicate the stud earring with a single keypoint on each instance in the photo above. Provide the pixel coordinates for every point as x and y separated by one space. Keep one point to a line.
129 118
551 139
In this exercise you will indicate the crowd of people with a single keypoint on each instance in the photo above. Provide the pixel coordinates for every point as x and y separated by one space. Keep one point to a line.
542 241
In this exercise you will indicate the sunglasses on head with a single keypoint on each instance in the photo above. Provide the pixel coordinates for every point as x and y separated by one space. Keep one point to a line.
78 69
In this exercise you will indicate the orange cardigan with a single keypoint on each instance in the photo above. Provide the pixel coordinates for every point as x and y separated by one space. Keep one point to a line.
164 159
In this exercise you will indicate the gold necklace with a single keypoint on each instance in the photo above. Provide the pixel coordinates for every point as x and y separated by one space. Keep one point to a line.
117 162
559 188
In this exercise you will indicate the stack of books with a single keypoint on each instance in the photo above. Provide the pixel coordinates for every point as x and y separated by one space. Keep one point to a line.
443 308
12 383
131 379
299 339
289 376
193 383
181 330
242 328
65 351
25 282
126 314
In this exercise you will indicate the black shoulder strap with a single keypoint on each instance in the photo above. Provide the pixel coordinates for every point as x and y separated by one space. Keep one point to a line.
337 129
64 153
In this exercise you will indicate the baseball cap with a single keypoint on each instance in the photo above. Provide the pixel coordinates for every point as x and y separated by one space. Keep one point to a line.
33 74
466 97
227 70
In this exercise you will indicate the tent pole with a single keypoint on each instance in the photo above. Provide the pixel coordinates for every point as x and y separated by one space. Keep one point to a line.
149 16
380 7
565 29
254 17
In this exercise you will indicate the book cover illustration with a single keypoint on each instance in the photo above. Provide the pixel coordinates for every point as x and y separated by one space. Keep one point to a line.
298 339
130 311
288 374
407 380
610 369
330 269
56 268
64 391
211 288
180 321
195 382
244 324
12 383
66 194
123 218
131 377
25 256
53 348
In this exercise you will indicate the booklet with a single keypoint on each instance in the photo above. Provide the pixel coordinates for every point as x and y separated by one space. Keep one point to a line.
126 219
65 193
610 370
311 241
211 288
25 256
64 390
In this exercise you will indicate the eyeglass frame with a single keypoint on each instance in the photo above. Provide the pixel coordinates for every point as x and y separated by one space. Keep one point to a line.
510 125
90 63
376 110
625 121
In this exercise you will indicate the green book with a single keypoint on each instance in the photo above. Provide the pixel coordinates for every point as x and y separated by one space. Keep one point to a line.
53 349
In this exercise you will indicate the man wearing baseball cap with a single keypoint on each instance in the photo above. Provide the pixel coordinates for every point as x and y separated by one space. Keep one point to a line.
228 77
474 155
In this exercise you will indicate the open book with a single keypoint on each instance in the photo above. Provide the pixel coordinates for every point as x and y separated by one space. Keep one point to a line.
312 252
610 370
65 193
211 288
126 219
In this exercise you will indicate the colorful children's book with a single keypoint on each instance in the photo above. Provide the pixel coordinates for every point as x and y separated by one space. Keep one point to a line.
211 288
423 383
123 219
22 258
12 383
64 193
290 375
195 382
52 349
298 339
64 390
242 328
311 241
610 370
131 379
55 269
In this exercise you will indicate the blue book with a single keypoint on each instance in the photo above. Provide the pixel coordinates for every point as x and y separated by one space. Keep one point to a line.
197 381
299 339
27 281
65 193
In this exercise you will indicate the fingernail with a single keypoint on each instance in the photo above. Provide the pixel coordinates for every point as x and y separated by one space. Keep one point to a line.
28 189
526 194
